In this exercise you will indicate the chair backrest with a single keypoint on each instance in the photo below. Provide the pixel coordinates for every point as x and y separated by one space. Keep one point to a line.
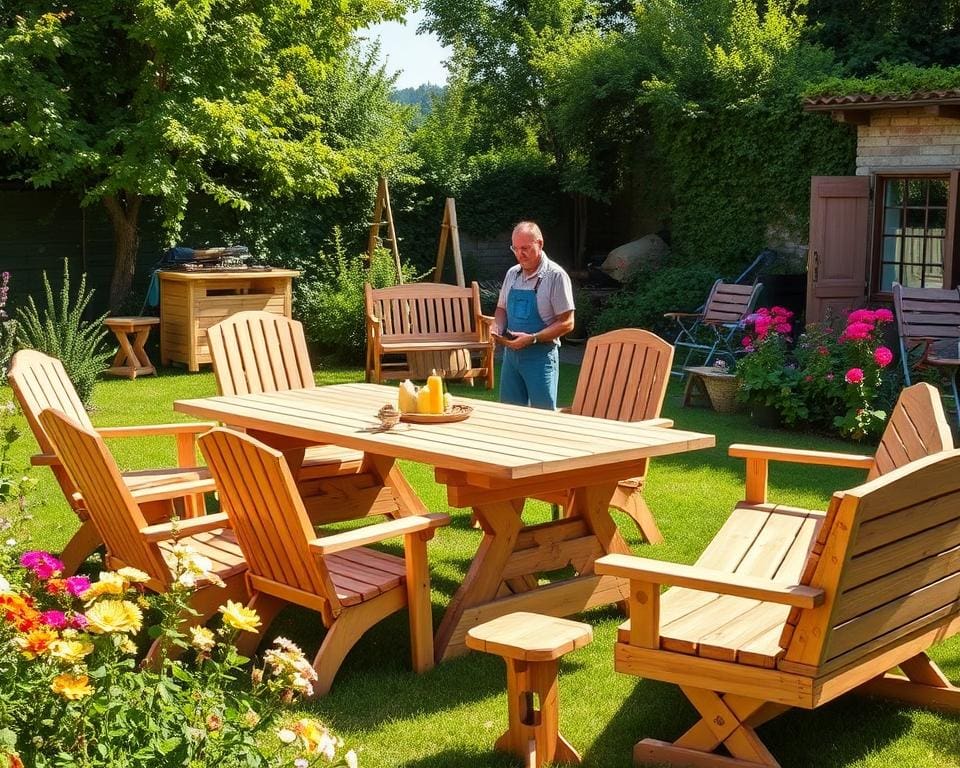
932 313
260 497
40 382
918 427
115 513
889 569
730 303
257 351
427 311
623 376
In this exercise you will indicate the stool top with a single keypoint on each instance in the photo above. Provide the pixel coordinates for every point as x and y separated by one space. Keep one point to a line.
130 322
529 636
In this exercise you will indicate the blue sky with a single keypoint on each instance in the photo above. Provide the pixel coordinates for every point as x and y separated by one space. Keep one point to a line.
419 58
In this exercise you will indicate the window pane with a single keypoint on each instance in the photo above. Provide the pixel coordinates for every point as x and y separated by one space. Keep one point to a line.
936 221
933 277
916 220
891 249
912 275
888 276
934 254
916 192
894 192
939 191
912 249
891 220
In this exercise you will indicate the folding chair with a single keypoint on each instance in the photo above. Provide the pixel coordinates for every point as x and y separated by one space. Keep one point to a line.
711 330
928 323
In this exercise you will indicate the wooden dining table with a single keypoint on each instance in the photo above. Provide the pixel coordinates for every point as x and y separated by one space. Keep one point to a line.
491 462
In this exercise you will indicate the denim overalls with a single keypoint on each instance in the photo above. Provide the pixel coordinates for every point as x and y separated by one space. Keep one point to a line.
528 376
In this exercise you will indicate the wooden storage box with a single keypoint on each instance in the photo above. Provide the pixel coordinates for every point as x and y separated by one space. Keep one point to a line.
190 302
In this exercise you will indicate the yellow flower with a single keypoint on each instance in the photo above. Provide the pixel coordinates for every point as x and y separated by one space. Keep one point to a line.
70 651
109 584
114 616
240 617
35 642
71 687
134 575
201 638
126 645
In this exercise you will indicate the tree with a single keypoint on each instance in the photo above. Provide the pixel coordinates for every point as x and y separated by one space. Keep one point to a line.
126 100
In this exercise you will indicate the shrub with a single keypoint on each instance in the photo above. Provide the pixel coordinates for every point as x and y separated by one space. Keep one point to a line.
766 374
7 328
331 305
60 331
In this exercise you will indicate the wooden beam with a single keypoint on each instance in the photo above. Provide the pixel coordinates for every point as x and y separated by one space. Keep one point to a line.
851 116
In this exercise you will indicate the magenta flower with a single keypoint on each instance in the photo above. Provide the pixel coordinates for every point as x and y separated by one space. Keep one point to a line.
747 342
55 619
823 351
856 332
866 316
883 315
77 585
829 377
854 376
78 621
883 357
43 564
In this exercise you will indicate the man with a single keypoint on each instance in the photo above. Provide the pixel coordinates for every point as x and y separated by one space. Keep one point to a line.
534 310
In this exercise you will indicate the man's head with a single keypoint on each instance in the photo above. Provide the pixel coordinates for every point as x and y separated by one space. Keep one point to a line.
527 246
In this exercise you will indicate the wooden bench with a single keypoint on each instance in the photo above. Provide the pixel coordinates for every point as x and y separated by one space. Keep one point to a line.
532 645
790 607
442 322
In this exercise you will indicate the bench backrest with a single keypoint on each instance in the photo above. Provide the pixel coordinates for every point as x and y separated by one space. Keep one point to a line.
259 351
425 311
623 376
730 302
918 427
889 566
932 313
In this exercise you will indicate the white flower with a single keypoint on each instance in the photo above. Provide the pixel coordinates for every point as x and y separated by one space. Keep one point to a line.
351 759
187 579
4 585
286 736
11 542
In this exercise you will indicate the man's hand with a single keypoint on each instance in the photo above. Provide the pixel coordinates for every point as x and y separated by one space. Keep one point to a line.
517 340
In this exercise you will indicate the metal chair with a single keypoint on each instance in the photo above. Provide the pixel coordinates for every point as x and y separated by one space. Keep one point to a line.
928 323
711 330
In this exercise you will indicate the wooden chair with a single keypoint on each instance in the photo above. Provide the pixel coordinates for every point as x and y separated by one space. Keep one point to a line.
789 607
259 351
624 376
350 586
918 427
710 331
40 382
117 513
928 323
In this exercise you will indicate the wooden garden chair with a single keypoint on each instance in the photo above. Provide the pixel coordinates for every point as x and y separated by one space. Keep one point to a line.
255 352
624 376
40 382
117 512
928 323
789 607
710 331
351 586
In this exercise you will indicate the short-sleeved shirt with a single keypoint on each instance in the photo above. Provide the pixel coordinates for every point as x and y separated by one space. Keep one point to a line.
552 285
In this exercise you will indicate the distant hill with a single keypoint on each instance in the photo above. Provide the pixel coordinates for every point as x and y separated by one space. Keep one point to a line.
419 96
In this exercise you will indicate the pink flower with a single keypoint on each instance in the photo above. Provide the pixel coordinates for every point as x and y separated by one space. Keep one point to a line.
854 376
55 619
856 332
43 564
78 621
883 357
865 316
883 315
77 585
747 342
829 377
823 351
808 378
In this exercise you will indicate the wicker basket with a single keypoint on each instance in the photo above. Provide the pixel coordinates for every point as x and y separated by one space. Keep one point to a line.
722 389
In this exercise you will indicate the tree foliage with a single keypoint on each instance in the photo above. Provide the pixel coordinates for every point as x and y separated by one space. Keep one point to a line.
123 100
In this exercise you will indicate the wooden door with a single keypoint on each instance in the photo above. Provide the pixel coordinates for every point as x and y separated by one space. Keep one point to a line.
839 236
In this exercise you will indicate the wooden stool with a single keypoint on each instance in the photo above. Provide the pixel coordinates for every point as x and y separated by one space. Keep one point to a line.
131 359
531 645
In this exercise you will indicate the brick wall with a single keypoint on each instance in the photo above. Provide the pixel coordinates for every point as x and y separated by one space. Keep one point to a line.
907 138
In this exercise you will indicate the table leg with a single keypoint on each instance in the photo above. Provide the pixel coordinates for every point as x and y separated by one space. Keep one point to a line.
140 352
384 468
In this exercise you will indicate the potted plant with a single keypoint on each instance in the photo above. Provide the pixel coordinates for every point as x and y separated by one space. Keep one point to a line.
721 385
767 376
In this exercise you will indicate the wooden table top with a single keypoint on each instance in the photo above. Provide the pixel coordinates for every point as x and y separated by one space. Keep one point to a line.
498 440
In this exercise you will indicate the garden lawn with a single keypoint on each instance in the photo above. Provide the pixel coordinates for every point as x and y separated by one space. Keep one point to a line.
452 715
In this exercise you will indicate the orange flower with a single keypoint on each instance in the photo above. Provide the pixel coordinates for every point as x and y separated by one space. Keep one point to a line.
19 611
14 761
35 642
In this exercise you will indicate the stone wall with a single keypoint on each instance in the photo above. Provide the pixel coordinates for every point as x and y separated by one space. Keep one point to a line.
907 139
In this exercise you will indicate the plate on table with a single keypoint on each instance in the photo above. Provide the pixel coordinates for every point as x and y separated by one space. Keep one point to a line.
457 413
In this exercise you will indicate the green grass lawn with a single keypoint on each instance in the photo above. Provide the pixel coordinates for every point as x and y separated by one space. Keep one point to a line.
451 716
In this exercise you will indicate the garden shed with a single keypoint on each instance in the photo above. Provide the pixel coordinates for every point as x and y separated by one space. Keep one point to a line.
896 219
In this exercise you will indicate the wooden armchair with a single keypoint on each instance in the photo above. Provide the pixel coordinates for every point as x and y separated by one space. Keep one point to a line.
118 513
350 586
258 351
624 376
40 382
789 607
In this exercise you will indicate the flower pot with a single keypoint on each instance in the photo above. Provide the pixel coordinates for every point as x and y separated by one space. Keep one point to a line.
765 416
722 390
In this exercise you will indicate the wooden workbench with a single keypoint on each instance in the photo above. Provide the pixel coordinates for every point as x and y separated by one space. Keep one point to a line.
190 302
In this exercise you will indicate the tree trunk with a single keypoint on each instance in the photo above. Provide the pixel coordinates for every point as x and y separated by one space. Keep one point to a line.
123 209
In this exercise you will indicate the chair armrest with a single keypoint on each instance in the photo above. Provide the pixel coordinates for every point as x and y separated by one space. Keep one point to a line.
173 490
183 528
372 320
658 422
709 580
370 534
488 319
44 460
799 456
682 314
186 428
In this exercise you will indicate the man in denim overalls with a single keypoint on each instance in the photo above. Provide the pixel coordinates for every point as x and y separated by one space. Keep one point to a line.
534 310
